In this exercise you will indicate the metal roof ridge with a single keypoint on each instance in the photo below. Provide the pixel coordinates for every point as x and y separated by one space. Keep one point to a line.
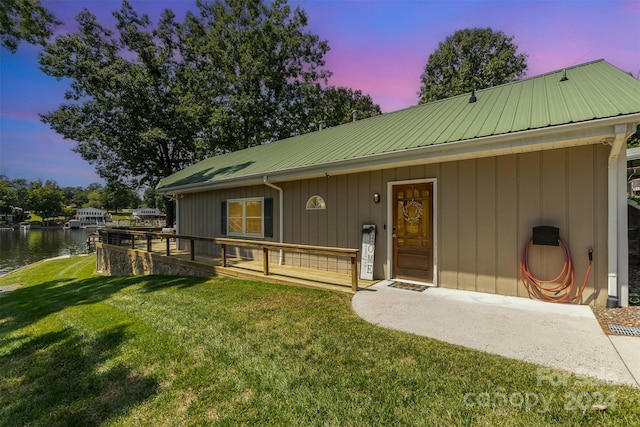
537 76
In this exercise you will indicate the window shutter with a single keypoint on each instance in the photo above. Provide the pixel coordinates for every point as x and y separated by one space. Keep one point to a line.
268 217
223 219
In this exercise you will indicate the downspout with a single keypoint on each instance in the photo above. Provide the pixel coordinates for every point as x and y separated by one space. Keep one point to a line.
176 223
280 216
617 279
176 218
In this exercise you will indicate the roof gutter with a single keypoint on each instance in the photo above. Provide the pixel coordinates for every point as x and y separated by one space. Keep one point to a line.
617 236
280 215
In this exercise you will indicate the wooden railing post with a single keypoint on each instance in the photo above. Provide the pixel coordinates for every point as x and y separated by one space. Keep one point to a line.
148 242
168 250
193 249
354 273
265 260
223 254
133 241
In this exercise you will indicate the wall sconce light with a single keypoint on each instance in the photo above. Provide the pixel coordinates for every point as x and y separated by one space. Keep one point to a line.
376 197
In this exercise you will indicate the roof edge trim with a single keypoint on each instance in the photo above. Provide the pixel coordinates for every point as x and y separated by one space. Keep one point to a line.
437 151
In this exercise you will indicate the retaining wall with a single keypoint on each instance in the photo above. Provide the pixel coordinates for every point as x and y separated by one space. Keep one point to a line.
121 261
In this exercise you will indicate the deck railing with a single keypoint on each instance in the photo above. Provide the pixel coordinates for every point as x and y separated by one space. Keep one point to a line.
119 237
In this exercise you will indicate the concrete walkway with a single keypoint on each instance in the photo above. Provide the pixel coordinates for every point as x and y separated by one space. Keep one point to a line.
559 336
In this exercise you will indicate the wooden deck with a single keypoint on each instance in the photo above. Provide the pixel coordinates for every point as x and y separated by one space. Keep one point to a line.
248 269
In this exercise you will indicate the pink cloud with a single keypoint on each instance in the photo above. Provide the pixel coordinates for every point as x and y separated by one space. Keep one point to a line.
32 151
387 64
21 114
391 77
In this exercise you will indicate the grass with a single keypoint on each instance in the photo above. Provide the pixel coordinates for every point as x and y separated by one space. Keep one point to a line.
82 349
34 219
120 216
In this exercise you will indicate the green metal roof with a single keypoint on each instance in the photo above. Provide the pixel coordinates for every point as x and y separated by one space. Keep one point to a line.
594 90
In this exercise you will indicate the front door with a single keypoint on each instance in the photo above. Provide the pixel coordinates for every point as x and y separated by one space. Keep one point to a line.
413 232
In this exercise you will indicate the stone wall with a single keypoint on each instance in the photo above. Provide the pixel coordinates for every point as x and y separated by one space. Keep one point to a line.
121 261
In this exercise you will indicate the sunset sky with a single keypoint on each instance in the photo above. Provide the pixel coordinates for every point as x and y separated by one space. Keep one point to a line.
379 47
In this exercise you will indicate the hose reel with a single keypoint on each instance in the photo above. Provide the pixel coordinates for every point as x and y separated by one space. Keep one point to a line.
561 288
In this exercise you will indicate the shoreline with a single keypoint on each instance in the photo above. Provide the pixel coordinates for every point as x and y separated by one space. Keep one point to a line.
42 261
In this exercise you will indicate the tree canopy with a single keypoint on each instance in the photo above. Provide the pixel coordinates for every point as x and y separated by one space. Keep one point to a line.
252 63
25 20
471 59
8 199
46 199
126 110
336 105
146 101
49 200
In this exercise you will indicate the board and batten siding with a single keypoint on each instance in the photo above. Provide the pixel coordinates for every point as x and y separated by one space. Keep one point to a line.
488 207
485 208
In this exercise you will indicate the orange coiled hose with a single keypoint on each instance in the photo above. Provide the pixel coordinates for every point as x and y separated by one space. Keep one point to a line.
559 289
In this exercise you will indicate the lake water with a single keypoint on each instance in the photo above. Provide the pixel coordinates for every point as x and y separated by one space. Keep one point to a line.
21 247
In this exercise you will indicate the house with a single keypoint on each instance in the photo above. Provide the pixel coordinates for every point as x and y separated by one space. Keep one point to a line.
6 217
454 188
90 215
11 214
146 213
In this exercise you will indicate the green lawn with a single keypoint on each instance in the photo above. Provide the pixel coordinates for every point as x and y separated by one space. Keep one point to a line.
121 217
81 349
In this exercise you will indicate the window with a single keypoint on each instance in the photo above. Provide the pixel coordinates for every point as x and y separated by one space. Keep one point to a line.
245 217
251 217
316 203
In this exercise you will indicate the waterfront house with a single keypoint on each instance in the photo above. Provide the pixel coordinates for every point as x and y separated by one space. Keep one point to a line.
145 213
90 215
453 188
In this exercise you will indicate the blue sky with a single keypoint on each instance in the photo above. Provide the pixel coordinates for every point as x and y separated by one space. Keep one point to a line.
379 47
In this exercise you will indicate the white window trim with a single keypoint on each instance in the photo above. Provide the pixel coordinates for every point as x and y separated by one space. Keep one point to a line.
244 217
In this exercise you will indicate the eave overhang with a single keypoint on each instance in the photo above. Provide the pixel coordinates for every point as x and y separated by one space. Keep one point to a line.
547 138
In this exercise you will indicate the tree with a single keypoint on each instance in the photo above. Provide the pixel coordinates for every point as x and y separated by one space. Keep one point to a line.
13 197
336 105
77 196
151 199
128 112
259 63
95 199
116 196
25 20
471 59
7 196
21 189
46 200
149 102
